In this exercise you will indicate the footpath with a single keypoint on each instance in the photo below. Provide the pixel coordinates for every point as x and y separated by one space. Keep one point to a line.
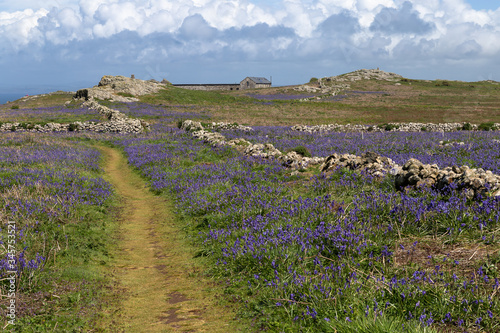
158 285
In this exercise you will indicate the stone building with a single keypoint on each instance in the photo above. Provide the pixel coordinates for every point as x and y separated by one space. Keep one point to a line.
255 82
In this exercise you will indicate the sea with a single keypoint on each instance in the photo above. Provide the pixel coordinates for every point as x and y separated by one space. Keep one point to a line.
4 98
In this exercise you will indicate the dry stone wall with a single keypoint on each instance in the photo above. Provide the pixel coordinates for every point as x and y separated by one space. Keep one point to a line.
393 127
474 182
268 151
116 122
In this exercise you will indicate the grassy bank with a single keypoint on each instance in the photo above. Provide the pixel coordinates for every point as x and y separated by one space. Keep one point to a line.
52 191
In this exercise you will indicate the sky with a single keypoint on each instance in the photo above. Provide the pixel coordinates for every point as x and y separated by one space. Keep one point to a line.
70 44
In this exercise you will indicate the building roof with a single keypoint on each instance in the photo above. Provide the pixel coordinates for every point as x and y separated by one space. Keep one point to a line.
260 80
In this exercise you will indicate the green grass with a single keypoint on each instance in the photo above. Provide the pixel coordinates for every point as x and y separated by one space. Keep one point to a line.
174 95
67 294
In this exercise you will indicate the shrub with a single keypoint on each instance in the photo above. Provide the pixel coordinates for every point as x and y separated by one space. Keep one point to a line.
72 127
490 126
179 124
15 107
443 84
389 127
467 127
423 129
302 151
313 80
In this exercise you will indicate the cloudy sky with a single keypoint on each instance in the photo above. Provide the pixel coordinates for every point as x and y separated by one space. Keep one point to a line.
69 44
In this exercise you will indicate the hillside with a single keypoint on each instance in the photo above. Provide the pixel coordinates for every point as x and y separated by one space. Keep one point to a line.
360 97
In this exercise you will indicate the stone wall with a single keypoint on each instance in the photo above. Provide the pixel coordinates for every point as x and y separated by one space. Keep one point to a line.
116 122
208 87
268 151
393 127
474 182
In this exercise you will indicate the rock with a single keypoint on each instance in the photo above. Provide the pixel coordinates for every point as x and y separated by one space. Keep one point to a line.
82 93
413 180
120 89
190 126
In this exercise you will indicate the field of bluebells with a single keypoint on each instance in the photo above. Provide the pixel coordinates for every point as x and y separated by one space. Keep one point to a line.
53 191
342 253
302 253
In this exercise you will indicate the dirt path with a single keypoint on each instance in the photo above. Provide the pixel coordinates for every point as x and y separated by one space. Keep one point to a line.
153 266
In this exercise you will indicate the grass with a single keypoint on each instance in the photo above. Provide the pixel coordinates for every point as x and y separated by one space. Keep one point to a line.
175 96
46 100
412 101
217 208
68 295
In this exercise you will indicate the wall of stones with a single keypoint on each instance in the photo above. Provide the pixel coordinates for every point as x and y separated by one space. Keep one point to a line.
393 127
116 122
208 87
474 182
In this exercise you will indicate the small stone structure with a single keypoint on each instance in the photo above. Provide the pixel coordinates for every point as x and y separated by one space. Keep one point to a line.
252 82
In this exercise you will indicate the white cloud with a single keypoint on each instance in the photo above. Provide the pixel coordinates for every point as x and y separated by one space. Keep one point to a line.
349 31
18 29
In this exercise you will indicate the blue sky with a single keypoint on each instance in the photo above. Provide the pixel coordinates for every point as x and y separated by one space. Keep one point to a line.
71 44
484 4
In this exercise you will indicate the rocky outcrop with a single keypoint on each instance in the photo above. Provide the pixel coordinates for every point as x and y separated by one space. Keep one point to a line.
364 74
121 89
332 86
